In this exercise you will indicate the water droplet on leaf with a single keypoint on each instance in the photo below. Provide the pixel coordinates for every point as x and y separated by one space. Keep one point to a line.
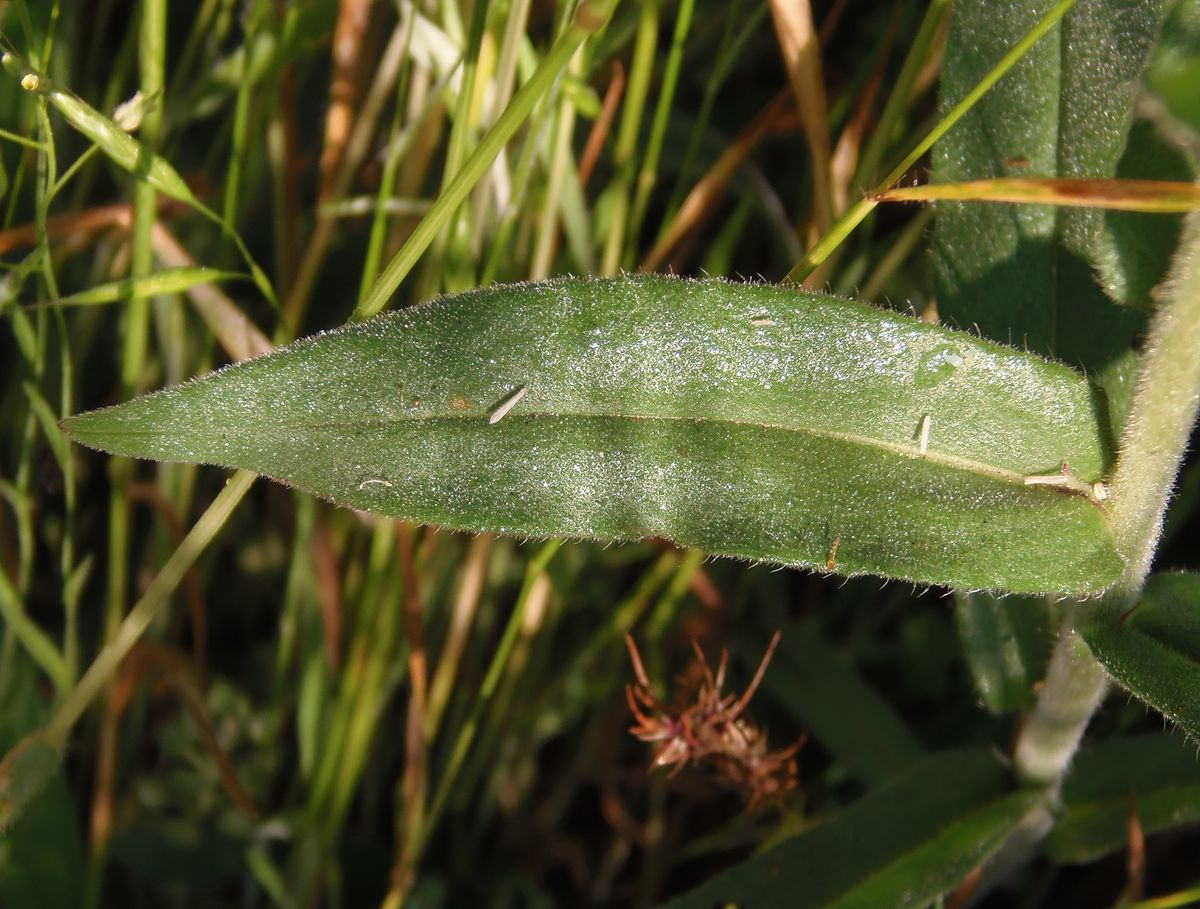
937 365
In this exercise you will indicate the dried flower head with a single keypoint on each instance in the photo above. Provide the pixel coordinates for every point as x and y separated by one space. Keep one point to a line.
713 729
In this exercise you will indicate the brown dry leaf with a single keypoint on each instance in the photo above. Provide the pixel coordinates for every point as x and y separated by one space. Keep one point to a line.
801 51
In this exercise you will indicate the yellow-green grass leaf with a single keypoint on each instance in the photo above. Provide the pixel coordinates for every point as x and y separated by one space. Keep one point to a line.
166 281
1161 196
747 420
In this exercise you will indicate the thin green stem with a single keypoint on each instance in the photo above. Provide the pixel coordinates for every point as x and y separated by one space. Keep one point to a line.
387 73
727 54
899 98
667 607
631 119
22 140
456 146
648 173
152 38
387 181
157 595
466 734
74 168
321 794
45 185
135 333
1189 897
241 126
381 654
515 26
621 620
466 601
522 178
564 126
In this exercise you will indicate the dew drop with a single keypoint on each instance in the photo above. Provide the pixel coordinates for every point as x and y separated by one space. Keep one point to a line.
938 365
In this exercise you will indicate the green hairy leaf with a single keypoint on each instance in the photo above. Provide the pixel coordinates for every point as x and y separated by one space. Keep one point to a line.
747 420
904 844
1026 274
1156 775
1154 650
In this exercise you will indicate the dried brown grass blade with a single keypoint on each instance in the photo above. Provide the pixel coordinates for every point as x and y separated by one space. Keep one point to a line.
800 48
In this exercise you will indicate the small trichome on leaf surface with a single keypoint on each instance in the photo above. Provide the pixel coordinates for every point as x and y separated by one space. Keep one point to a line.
713 730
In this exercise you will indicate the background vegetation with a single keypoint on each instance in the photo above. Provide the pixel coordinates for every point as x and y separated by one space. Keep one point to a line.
264 742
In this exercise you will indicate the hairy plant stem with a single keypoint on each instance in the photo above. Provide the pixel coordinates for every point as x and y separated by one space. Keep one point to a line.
1072 690
1152 447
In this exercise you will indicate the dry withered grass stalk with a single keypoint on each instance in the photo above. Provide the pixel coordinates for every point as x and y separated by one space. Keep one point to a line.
713 729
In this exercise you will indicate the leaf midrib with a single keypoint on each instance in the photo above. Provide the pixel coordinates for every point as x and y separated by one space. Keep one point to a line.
950 461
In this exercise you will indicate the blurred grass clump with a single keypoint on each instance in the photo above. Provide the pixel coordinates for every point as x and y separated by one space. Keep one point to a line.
342 710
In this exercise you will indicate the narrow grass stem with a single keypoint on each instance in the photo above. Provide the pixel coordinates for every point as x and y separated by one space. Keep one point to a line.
135 332
466 734
353 679
466 600
648 172
64 665
391 166
387 73
548 226
899 99
232 195
22 140
644 48
146 609
456 146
